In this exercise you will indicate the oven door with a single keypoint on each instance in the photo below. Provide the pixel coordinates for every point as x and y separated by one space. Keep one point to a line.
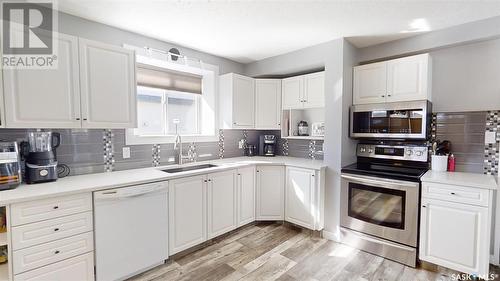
380 207
400 120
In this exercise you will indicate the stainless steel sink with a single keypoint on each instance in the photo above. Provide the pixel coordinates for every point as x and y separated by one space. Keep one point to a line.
188 168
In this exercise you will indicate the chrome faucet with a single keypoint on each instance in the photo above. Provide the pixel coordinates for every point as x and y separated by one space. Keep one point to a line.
178 145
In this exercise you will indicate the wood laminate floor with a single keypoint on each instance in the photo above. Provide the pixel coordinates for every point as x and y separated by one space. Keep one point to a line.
272 251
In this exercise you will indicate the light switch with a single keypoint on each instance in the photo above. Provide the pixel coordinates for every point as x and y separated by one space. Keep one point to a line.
490 137
126 152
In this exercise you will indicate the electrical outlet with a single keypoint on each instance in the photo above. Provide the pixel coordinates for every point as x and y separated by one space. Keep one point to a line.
126 152
490 137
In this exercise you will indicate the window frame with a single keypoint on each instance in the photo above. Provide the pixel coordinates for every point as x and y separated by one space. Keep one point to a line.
207 103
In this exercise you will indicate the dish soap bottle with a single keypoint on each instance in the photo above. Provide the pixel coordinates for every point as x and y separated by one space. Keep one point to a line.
451 163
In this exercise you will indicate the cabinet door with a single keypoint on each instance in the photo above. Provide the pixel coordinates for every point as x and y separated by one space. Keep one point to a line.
78 268
108 86
243 101
270 192
187 213
314 90
222 189
407 79
299 192
455 235
293 92
370 83
267 103
246 195
45 98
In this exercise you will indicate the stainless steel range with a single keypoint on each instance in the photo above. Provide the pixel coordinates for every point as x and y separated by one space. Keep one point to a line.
380 198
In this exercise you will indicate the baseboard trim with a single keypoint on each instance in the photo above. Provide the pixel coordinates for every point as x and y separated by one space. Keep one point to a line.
331 236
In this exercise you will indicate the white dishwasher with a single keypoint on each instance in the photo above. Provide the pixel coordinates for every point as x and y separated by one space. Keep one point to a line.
131 230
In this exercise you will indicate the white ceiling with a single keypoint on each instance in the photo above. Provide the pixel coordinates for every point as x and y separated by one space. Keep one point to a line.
247 31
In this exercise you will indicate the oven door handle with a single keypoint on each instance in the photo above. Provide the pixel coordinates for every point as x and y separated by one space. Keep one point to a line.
382 183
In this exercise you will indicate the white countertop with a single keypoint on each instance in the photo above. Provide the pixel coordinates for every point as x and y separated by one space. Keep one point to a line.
463 179
107 180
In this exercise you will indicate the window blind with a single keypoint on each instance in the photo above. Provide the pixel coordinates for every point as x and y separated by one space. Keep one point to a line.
157 77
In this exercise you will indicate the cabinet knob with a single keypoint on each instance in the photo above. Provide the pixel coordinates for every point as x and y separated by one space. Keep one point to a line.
423 206
55 207
258 171
56 229
209 180
77 119
84 119
56 252
239 174
312 175
383 96
205 181
452 193
389 95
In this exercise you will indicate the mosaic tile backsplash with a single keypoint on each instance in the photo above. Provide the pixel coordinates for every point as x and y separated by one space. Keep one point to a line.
466 131
95 150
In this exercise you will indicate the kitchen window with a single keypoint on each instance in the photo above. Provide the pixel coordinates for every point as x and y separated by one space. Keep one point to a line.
171 94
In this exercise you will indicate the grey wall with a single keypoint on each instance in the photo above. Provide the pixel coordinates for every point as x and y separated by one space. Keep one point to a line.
76 26
337 58
466 78
465 64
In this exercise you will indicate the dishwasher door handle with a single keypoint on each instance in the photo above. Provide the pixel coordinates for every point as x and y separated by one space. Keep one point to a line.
128 192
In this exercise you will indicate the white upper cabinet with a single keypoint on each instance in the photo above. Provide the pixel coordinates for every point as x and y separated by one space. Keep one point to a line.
293 92
314 90
45 98
370 83
404 79
222 201
108 86
409 79
304 91
267 103
237 101
93 86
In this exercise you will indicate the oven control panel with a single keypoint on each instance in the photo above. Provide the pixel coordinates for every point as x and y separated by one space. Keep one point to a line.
403 152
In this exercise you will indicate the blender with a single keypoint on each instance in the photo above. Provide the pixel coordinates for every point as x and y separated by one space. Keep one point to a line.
40 156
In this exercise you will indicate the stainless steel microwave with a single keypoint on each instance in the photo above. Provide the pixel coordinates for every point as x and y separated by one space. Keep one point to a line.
395 120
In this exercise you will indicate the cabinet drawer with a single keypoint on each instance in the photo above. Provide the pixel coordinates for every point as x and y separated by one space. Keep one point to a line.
41 232
50 208
455 193
38 256
79 268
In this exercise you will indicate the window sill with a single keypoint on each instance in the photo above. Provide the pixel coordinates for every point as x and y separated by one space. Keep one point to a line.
131 139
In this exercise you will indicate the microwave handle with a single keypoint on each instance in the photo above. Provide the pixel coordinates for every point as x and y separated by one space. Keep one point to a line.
381 183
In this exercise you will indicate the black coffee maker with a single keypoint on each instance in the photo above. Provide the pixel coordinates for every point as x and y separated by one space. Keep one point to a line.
40 156
267 145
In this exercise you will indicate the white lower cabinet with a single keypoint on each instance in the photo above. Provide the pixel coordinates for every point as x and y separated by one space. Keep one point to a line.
222 200
187 213
454 234
79 268
270 192
303 198
246 195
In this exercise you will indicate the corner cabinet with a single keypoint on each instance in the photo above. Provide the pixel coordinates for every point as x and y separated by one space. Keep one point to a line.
304 193
270 193
455 227
237 101
108 86
304 91
268 104
93 86
403 79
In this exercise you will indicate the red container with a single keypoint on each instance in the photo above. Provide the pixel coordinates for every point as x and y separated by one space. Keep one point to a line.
451 163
